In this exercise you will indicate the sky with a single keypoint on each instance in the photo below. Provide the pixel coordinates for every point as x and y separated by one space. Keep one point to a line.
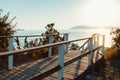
36 14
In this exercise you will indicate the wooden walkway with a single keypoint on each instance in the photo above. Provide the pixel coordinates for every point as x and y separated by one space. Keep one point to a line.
26 71
75 62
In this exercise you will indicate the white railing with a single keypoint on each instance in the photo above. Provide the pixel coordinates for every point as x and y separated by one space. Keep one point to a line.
92 43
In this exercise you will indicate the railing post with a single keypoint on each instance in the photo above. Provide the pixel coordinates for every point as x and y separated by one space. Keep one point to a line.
10 57
103 43
97 45
61 61
50 48
66 39
91 53
95 42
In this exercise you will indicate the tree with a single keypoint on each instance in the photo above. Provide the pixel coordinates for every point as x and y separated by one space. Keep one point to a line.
116 37
114 51
49 31
6 29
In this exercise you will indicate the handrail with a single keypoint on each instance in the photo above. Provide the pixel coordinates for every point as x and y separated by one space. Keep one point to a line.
32 35
94 35
40 47
44 46
61 48
29 40
84 44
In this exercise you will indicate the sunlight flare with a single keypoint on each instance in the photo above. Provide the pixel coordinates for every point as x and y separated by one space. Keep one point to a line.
101 13
107 37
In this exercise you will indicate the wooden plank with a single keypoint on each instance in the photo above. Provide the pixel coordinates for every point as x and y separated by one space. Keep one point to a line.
47 65
75 58
45 74
23 67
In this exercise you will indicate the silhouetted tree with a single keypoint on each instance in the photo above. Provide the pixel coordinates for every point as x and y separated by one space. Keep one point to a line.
116 37
6 29
114 51
50 30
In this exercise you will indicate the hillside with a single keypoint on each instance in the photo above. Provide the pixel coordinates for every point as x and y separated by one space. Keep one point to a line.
91 27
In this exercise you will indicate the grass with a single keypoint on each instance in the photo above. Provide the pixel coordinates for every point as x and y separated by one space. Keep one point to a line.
112 53
112 57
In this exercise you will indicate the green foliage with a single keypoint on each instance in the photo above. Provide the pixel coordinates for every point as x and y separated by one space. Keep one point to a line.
115 33
45 40
51 31
6 29
74 46
112 53
112 56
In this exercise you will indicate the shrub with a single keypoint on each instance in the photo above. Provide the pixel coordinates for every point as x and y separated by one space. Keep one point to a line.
6 29
112 53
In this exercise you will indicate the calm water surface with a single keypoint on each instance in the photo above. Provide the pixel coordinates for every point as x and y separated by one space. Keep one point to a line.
73 34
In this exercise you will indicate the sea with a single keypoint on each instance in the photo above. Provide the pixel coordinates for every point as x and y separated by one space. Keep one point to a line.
72 34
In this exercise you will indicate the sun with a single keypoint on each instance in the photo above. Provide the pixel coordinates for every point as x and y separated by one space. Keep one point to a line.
101 13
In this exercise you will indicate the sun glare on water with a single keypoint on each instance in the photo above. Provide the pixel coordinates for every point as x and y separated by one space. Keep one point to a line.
101 13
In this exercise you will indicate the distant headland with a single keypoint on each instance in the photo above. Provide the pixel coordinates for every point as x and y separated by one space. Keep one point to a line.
92 27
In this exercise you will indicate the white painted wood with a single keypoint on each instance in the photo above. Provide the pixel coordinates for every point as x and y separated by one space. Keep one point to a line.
61 61
66 45
103 43
10 57
50 48
97 44
41 47
90 57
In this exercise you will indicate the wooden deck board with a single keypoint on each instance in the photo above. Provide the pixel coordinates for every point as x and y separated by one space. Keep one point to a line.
27 70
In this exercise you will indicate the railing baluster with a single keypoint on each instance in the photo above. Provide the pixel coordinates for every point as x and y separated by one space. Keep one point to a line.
96 58
91 53
61 61
10 57
66 39
50 48
103 43
61 51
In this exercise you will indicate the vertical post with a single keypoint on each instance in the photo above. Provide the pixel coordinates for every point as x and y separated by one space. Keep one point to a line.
66 39
95 42
96 58
10 57
83 48
103 43
88 45
61 61
50 48
91 53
